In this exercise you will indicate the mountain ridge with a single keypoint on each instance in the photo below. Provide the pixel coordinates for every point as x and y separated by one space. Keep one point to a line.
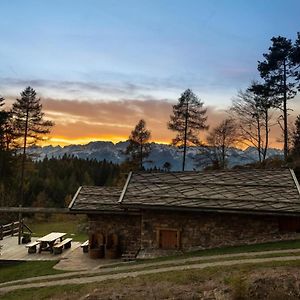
160 154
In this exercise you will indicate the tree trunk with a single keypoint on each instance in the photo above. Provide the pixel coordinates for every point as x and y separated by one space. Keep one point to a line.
285 127
185 135
141 157
24 158
267 134
223 156
259 138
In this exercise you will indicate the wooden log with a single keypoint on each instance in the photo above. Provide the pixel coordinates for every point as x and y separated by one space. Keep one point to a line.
36 210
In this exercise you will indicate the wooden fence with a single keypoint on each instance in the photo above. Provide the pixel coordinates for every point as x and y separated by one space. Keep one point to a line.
14 228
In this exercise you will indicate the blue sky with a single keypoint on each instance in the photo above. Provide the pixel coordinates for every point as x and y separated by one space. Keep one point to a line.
141 50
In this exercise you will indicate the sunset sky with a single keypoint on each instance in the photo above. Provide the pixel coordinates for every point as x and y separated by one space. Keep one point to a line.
100 66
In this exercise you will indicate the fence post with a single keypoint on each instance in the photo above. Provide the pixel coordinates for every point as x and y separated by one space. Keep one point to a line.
1 232
20 220
22 226
12 228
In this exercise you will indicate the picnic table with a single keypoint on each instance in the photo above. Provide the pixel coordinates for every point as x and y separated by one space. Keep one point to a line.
48 241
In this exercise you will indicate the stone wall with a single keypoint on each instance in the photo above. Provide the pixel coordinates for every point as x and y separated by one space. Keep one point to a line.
209 230
197 230
127 227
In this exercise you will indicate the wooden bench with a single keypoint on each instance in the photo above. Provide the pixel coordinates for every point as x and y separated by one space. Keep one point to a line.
32 246
85 246
66 243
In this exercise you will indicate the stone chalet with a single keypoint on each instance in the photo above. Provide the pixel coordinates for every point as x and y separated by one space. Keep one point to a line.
158 212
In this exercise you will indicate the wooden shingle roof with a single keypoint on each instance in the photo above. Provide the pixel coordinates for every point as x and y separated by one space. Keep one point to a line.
273 191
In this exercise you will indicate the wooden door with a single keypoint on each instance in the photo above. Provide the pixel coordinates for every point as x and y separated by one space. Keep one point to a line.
168 239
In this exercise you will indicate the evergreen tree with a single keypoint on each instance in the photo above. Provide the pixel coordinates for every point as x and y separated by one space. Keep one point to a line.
278 70
167 166
2 122
296 138
296 59
264 101
139 147
6 159
187 120
30 124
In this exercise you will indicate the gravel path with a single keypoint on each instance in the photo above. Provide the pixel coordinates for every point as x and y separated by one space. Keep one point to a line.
58 279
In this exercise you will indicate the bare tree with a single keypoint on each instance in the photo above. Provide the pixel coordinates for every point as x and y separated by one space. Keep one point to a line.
220 139
251 109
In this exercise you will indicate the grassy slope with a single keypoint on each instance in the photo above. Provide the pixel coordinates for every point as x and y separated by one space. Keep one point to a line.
282 245
68 225
134 288
32 269
40 268
22 270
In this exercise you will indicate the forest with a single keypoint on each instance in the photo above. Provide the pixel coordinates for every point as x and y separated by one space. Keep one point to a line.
53 182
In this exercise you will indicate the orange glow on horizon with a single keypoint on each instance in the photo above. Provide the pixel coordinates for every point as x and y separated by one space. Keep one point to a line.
65 141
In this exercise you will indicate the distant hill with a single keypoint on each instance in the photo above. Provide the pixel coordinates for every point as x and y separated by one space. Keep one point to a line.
160 154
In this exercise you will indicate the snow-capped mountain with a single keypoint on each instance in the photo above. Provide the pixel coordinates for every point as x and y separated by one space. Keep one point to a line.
160 154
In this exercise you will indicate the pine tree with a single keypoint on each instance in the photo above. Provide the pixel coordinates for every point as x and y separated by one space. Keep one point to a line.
167 166
6 159
264 100
139 147
188 120
7 129
296 59
296 138
3 120
30 124
278 70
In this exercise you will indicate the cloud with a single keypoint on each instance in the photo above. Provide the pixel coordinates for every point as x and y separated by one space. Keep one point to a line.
110 119
76 89
81 121
123 86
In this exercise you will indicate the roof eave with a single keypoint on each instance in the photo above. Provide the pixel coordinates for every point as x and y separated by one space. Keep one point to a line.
125 188
74 198
104 212
212 210
295 181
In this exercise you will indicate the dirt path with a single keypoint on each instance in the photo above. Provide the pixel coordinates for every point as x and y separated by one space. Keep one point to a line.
129 266
99 278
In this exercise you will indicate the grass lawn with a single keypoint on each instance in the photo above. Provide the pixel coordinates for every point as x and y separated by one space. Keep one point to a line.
70 225
281 245
23 270
154 286
40 268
